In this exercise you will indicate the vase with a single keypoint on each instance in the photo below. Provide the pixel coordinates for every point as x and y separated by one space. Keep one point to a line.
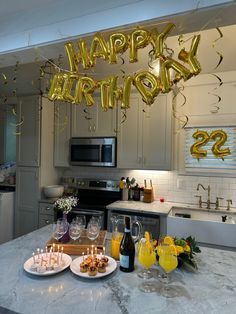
136 195
66 237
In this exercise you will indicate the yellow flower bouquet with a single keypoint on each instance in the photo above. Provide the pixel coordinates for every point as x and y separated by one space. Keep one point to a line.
185 249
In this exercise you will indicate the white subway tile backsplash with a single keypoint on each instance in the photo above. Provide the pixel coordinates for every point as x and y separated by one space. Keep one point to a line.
167 184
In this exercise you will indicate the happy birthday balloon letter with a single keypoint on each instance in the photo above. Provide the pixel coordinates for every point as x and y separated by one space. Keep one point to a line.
72 87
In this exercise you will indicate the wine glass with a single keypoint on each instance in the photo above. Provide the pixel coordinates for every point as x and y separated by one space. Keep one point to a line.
168 262
75 230
147 258
93 230
81 220
60 227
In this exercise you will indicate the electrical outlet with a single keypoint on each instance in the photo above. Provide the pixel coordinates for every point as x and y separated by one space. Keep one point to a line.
181 185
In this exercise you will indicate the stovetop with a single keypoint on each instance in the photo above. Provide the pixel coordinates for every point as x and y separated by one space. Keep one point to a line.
93 192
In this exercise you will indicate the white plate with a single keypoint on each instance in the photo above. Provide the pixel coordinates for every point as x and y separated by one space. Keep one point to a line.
75 268
27 266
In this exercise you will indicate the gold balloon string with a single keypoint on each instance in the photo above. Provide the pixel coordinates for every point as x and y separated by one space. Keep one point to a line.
4 78
87 115
169 50
183 119
124 116
16 125
60 126
214 45
216 104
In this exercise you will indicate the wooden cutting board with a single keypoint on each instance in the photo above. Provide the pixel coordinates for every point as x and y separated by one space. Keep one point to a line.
77 247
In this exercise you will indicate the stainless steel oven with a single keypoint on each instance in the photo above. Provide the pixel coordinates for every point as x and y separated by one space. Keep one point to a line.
94 195
93 151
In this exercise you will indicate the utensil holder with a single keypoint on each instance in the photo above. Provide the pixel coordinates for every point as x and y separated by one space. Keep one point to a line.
148 195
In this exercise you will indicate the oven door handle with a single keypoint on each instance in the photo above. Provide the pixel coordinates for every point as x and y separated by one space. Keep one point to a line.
88 212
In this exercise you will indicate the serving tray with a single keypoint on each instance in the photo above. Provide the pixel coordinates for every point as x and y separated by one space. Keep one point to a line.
77 247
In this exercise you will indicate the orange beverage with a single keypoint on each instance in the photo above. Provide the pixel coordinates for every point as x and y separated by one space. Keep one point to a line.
115 245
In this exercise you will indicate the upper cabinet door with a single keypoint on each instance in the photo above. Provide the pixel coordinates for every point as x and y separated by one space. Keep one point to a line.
28 131
62 134
129 135
84 120
157 134
144 135
92 121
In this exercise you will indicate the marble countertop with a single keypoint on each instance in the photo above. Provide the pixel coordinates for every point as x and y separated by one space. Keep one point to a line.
159 208
211 289
155 207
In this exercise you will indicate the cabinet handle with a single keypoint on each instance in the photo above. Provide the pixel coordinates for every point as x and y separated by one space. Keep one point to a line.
48 208
90 128
47 221
139 160
94 128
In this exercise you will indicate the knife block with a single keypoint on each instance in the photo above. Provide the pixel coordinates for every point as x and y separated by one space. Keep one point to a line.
148 195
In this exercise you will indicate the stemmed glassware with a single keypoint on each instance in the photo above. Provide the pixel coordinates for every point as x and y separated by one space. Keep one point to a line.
93 229
147 258
81 220
168 262
75 229
60 227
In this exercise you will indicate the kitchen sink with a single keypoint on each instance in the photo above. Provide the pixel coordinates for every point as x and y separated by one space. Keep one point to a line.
205 225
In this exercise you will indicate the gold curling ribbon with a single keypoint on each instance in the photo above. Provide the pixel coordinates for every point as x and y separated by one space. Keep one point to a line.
61 125
183 119
215 105
214 44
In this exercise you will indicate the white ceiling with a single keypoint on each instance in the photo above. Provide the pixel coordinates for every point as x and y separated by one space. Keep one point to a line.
204 19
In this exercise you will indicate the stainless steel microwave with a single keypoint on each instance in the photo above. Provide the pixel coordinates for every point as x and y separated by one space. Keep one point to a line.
93 151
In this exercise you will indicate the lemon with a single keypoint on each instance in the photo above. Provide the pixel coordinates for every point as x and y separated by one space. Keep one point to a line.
168 240
147 236
179 249
172 249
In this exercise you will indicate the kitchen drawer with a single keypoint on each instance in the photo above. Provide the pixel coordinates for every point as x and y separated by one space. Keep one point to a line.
45 220
46 209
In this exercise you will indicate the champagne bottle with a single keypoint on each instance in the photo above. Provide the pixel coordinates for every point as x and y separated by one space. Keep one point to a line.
127 249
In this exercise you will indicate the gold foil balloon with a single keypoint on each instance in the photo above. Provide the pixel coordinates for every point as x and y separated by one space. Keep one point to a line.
85 88
84 55
118 44
195 148
148 85
126 92
115 93
159 38
220 137
73 57
69 80
190 57
165 67
104 92
138 39
98 49
55 91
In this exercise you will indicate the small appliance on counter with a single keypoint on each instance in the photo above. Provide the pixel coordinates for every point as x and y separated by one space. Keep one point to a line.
148 194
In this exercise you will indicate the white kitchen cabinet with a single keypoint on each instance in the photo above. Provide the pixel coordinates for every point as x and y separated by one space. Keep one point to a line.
27 195
28 141
92 120
62 134
31 176
144 138
46 213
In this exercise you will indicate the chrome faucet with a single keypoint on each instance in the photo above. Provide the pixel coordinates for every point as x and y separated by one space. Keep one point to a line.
208 189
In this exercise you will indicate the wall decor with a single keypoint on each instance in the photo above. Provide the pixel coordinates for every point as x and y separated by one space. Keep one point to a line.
71 86
218 157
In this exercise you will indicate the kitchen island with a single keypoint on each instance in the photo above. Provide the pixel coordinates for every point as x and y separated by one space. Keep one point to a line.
211 289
